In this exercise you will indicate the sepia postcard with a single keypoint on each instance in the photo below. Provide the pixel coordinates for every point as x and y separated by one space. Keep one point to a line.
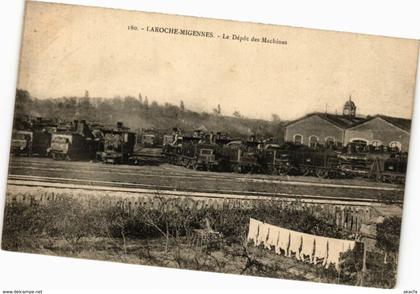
210 145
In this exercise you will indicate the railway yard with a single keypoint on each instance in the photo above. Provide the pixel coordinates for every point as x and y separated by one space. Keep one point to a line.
174 179
165 211
109 212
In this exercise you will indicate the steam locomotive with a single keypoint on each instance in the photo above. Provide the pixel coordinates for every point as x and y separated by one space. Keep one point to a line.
118 145
207 151
32 137
73 142
252 156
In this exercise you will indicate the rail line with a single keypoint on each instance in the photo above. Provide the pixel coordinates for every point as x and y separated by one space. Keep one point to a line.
149 190
209 176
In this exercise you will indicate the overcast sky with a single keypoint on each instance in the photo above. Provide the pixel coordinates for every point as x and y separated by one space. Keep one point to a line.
69 49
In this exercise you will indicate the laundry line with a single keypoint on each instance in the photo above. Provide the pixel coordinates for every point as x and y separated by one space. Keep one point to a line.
302 246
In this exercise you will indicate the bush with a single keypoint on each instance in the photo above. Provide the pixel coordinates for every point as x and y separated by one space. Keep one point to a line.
174 220
388 234
70 219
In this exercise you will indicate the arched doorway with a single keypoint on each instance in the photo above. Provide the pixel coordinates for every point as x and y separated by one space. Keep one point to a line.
298 139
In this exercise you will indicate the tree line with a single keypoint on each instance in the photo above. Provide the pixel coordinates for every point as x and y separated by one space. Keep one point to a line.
141 112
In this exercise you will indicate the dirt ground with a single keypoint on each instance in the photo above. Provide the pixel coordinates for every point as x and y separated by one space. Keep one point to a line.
233 258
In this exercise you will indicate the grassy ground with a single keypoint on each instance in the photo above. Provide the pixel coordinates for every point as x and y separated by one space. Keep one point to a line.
170 238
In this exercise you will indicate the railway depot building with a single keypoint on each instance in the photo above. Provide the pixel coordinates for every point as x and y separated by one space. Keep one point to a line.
339 130
381 130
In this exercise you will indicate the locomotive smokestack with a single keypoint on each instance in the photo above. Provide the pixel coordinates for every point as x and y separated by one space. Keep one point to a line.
119 125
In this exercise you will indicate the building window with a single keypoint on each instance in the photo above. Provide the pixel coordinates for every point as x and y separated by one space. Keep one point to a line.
329 142
313 141
395 145
298 139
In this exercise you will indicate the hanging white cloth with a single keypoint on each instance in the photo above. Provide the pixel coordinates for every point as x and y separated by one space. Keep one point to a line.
349 245
277 247
335 248
254 226
299 244
273 233
284 241
295 243
321 249
307 246
263 234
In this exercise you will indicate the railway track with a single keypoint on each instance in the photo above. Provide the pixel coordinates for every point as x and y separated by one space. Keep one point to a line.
175 172
174 180
148 190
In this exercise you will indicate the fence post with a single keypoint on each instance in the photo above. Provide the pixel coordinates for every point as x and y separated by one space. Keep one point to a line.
362 280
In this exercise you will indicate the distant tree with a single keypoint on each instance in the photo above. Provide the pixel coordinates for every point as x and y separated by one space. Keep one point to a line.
217 110
23 98
205 115
275 117
170 111
70 105
146 102
130 100
83 108
137 113
154 104
105 110
237 114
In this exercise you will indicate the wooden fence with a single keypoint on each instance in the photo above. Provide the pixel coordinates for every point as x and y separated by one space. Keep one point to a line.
349 217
